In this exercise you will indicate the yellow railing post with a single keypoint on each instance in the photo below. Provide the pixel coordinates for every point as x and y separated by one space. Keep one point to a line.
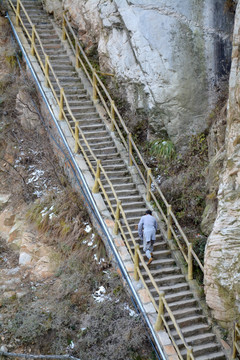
77 51
149 183
190 262
112 115
159 323
64 27
18 12
47 70
189 353
94 86
76 135
33 40
130 162
169 222
117 217
136 262
97 177
61 104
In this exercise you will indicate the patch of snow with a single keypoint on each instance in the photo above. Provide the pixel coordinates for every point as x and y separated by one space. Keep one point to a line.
88 228
100 261
99 295
51 216
35 176
38 193
44 211
107 273
130 311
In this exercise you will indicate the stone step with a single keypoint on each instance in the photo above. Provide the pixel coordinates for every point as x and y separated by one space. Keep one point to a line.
127 200
188 321
197 339
130 205
200 350
170 280
138 211
124 192
161 263
90 133
193 329
80 102
218 355
184 313
114 165
101 145
67 82
59 58
165 271
82 109
181 304
121 187
62 67
116 180
52 39
187 294
88 117
174 287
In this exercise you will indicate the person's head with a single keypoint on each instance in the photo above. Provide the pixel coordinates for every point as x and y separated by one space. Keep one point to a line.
148 212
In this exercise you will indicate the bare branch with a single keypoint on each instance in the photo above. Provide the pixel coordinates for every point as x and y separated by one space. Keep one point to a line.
28 107
14 169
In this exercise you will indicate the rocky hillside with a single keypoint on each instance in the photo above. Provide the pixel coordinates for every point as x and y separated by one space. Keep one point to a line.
58 291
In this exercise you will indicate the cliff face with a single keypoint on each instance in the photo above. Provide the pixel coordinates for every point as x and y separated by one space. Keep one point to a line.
222 256
168 56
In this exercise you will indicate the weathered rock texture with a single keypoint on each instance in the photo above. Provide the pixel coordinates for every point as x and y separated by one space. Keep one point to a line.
222 256
168 56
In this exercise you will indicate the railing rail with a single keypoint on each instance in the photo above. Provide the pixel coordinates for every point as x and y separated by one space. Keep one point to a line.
236 341
153 191
98 171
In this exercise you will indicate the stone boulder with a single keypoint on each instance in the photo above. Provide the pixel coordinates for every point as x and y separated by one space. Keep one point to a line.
168 57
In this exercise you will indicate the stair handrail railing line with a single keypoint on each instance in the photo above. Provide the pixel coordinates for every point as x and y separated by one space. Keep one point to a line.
161 321
119 213
99 91
118 226
236 340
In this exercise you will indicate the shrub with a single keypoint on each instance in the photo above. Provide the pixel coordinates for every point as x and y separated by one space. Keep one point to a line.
162 149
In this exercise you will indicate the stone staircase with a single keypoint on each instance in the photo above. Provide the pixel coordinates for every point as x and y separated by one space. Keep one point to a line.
167 274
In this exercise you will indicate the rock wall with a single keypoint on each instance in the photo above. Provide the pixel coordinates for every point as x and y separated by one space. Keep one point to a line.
222 255
168 56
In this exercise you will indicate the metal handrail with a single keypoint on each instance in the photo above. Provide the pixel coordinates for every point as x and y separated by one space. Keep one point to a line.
100 92
77 132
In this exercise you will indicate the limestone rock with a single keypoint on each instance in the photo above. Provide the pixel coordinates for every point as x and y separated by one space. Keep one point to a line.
167 56
4 199
24 258
222 255
27 113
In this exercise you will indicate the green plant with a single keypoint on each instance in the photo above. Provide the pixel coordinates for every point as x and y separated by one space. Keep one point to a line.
162 149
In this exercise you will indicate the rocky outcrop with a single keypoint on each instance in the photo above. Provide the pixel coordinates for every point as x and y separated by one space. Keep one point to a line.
168 56
222 255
